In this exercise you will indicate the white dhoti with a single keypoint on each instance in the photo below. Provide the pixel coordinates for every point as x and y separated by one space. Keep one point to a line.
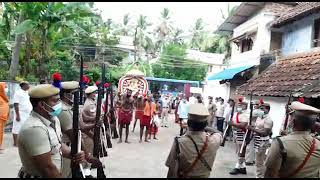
17 124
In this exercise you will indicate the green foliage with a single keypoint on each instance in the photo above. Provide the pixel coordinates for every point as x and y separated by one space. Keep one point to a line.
58 31
93 74
174 65
32 78
25 26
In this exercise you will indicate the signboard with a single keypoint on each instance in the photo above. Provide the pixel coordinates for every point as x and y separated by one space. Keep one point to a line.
135 81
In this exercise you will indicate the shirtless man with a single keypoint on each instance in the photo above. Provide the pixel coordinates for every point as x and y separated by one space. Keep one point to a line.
125 114
139 107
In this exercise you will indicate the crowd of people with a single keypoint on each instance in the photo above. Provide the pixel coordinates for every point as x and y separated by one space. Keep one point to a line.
43 127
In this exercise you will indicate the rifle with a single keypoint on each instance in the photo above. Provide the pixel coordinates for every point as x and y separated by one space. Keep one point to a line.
113 118
81 83
287 113
76 169
97 136
247 136
224 137
106 121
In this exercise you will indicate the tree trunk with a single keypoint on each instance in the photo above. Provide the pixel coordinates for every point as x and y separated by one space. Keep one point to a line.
26 69
13 71
42 71
135 44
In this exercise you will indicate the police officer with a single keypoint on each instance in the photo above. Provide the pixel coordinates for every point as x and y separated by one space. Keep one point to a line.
250 152
239 123
261 136
66 118
297 154
39 141
89 116
193 154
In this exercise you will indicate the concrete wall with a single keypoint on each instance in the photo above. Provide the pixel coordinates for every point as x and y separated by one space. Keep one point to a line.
261 40
297 37
277 111
215 89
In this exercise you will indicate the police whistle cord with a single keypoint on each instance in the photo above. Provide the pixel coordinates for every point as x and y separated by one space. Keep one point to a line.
248 134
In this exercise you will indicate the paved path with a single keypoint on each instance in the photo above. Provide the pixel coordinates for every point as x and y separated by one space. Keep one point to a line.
136 159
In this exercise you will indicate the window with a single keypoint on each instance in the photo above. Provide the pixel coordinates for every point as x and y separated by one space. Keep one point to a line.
316 40
246 45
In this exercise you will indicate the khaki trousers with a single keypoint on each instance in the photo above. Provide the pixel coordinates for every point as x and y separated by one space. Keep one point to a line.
250 154
164 117
260 159
241 160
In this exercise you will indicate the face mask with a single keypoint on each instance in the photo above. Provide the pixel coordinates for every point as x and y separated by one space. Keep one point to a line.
56 109
258 113
239 109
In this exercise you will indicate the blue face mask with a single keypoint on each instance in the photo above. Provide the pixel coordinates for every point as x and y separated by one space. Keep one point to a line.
56 109
258 113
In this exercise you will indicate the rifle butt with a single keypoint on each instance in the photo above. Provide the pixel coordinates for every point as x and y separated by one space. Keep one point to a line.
224 137
243 146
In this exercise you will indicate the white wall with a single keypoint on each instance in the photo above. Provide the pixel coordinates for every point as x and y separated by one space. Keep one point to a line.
215 89
261 42
277 110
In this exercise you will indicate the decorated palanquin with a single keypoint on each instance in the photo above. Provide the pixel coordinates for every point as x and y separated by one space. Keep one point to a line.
133 79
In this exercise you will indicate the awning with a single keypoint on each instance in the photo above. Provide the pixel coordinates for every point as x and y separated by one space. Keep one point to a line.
228 73
245 35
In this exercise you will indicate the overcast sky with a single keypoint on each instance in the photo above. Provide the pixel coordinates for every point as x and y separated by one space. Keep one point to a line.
183 14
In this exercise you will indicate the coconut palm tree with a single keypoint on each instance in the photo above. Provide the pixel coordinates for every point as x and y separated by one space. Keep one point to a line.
140 35
198 35
125 27
164 29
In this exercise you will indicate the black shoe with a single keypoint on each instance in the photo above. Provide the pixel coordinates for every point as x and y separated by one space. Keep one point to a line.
249 163
234 171
243 171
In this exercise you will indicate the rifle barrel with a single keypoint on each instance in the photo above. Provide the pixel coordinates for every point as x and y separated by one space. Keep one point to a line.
247 138
76 168
81 80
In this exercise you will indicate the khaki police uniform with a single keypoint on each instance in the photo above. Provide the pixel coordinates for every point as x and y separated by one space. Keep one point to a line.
261 144
250 150
66 118
239 117
296 145
212 109
188 152
39 135
89 110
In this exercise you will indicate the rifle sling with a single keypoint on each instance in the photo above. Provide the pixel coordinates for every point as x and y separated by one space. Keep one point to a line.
283 151
199 157
311 150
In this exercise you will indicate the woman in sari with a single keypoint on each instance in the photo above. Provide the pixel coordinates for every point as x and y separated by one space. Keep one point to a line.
4 113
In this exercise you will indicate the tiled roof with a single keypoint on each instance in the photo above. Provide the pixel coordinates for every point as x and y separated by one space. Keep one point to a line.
297 74
301 10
